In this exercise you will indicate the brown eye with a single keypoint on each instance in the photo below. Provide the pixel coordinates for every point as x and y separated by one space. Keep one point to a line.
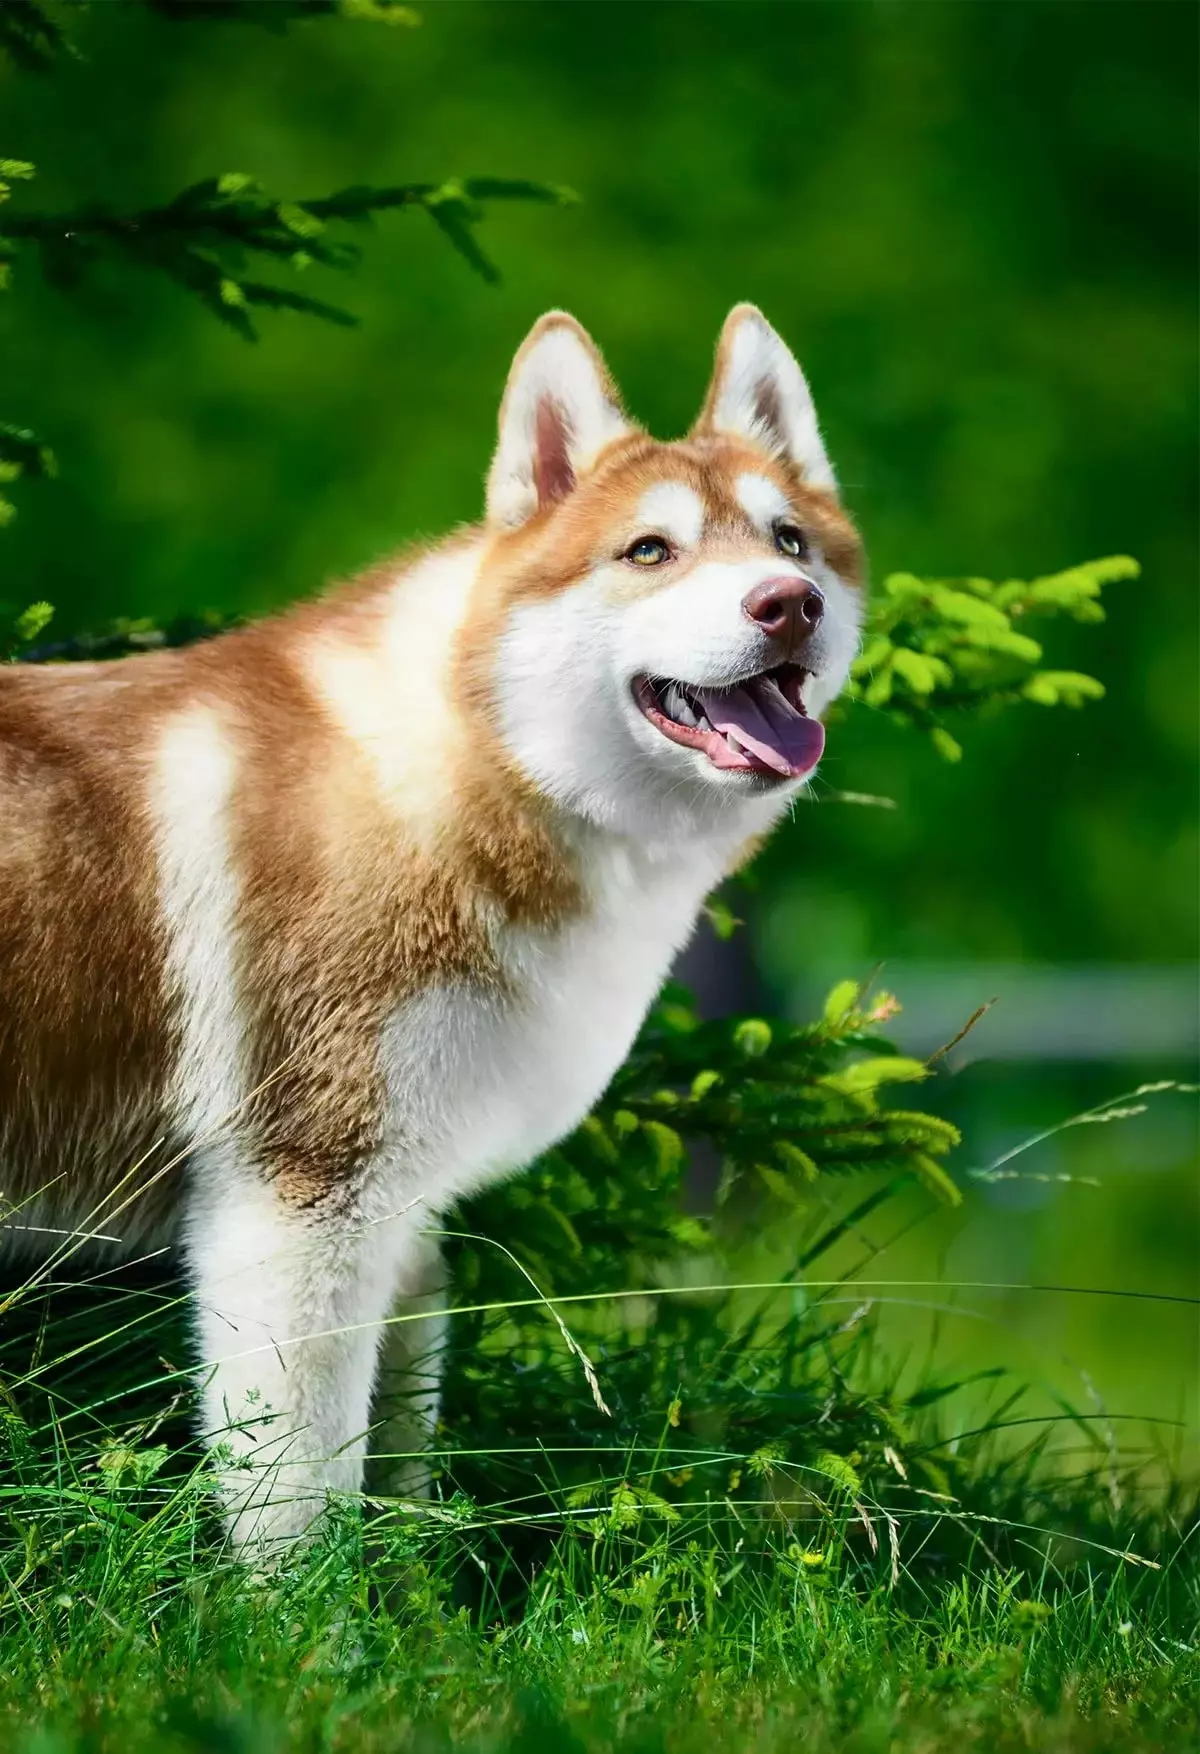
648 551
790 541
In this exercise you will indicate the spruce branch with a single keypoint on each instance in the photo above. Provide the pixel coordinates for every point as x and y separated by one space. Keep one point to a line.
939 647
207 236
784 1109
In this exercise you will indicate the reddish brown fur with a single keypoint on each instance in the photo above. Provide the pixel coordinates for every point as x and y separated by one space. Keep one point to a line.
561 542
340 919
85 1041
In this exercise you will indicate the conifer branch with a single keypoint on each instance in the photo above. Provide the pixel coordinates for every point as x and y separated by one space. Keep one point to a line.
937 647
205 238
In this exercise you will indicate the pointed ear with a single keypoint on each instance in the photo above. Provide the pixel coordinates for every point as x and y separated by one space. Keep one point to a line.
559 411
759 392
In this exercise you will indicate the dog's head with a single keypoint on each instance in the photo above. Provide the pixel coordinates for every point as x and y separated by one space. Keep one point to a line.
671 619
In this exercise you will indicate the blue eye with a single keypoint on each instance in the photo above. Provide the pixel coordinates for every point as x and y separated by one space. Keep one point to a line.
790 541
648 551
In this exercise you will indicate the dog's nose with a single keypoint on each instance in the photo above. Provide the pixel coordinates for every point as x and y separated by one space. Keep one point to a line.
789 609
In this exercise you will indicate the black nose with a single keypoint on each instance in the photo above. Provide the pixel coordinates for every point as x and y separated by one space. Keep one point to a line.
788 608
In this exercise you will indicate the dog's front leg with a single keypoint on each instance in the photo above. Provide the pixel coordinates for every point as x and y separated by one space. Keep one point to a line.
290 1302
408 1386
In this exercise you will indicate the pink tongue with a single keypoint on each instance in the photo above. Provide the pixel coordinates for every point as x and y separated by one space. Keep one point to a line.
765 725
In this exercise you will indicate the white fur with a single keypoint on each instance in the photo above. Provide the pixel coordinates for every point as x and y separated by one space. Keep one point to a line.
695 629
763 503
189 795
757 358
289 1311
557 367
408 1386
390 697
481 1081
565 683
674 510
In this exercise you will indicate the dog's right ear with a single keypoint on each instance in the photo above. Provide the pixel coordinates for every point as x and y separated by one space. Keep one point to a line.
560 410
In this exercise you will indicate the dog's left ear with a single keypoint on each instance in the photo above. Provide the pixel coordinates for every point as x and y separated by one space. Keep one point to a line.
758 392
560 410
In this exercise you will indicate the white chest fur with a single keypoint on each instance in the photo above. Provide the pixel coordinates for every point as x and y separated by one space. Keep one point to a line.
481 1082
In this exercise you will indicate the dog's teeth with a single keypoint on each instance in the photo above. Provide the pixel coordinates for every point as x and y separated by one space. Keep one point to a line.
673 702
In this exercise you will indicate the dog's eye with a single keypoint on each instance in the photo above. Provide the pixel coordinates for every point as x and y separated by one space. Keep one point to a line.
648 551
790 541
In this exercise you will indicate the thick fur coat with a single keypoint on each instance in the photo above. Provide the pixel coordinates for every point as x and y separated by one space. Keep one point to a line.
310 929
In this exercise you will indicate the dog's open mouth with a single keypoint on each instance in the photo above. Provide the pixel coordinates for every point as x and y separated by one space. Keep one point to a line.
759 726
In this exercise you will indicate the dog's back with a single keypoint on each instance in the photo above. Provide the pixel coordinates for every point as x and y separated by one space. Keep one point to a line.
85 1038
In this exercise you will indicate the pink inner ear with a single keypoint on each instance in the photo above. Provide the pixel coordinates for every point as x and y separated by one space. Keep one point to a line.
552 471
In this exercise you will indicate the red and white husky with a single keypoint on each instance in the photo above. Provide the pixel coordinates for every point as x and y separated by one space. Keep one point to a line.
306 931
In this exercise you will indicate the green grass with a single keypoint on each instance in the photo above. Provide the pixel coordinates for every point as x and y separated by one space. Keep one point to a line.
674 1506
316 1662
666 1578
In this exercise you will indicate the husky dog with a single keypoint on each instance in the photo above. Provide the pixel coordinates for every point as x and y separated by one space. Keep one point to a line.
313 928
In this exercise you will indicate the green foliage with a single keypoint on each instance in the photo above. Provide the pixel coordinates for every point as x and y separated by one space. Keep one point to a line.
932 647
13 170
781 1106
26 628
20 454
30 35
601 1226
936 647
210 238
120 639
207 239
760 1523
133 1638
278 14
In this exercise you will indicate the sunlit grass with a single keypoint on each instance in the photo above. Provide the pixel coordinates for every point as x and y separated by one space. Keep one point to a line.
675 1502
689 1560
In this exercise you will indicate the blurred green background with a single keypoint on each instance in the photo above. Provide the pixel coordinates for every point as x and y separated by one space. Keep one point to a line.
976 223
